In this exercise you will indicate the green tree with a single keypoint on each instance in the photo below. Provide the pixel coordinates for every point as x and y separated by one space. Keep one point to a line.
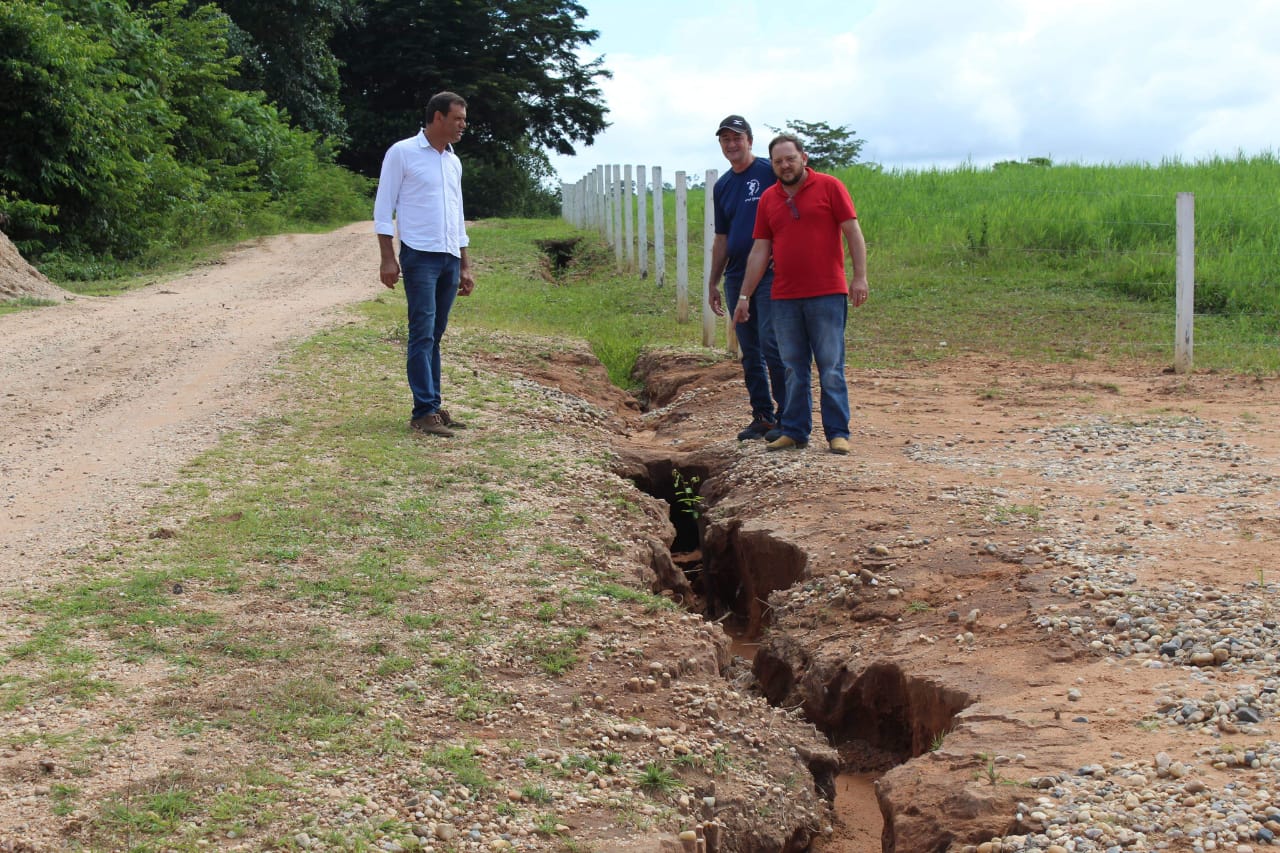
522 183
828 147
121 134
515 61
285 51
83 137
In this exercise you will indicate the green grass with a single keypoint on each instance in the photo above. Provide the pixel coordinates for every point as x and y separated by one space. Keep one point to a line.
11 306
656 778
616 314
535 794
462 762
1062 263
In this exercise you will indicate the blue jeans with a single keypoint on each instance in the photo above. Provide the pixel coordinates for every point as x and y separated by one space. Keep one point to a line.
762 367
813 328
430 286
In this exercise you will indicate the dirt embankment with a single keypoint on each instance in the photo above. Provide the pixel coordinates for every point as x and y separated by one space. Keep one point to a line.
18 279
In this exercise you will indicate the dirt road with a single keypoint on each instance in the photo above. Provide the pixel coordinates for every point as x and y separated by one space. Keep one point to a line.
102 396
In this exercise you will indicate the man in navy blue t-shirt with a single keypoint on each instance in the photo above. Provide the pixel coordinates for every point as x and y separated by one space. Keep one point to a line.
735 198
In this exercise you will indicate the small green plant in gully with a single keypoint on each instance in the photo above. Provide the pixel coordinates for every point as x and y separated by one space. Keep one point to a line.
656 778
686 492
546 824
990 772
535 794
988 769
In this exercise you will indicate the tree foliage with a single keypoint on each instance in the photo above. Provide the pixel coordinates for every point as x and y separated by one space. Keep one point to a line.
131 126
120 132
828 147
285 51
515 61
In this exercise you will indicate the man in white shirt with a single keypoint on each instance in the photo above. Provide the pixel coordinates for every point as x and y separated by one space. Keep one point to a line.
421 184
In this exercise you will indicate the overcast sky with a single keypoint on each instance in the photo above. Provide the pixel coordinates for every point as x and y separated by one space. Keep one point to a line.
939 83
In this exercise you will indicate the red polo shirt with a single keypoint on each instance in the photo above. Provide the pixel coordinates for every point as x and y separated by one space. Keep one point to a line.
808 249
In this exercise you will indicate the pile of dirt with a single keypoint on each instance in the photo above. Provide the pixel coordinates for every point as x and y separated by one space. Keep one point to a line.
18 278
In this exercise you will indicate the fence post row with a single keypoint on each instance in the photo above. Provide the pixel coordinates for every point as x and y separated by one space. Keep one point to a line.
603 200
608 201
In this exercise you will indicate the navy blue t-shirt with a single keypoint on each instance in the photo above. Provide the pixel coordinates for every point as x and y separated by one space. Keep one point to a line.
736 197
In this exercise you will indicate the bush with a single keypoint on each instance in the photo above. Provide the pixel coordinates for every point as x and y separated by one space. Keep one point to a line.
123 137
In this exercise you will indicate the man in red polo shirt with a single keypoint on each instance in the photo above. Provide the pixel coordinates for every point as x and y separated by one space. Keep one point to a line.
800 222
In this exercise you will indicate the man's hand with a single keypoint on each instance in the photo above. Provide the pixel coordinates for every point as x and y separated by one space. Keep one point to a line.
858 291
466 283
713 299
742 313
389 272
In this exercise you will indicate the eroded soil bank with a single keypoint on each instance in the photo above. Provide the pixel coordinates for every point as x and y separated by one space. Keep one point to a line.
1036 599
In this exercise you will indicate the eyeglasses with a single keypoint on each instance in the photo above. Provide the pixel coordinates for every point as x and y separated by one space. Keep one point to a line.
795 212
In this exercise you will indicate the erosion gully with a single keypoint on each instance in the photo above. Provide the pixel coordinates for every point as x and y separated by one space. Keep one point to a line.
876 717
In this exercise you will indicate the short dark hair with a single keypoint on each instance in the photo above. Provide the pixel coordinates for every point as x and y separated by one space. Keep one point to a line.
786 137
442 102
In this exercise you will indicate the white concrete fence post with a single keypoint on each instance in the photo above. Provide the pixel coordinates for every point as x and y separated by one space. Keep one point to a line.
602 202
708 237
1185 274
642 222
682 249
606 188
628 228
659 230
616 195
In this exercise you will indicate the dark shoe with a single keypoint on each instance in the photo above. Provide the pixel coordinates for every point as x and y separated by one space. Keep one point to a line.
773 434
449 421
431 424
785 442
758 428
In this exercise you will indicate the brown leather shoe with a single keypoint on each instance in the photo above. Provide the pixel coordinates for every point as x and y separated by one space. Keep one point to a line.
785 442
449 421
431 424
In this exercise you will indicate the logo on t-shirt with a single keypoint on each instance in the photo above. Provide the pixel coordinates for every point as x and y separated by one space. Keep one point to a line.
753 188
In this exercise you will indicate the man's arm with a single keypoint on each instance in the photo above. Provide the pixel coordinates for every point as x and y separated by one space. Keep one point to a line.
389 267
757 265
719 260
858 288
384 207
466 281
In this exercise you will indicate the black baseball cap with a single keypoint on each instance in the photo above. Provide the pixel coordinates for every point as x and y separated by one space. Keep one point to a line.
737 124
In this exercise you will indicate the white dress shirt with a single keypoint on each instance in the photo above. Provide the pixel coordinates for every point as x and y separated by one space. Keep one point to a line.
422 187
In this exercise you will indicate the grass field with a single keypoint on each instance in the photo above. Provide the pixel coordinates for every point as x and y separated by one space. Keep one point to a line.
1062 262
1029 261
